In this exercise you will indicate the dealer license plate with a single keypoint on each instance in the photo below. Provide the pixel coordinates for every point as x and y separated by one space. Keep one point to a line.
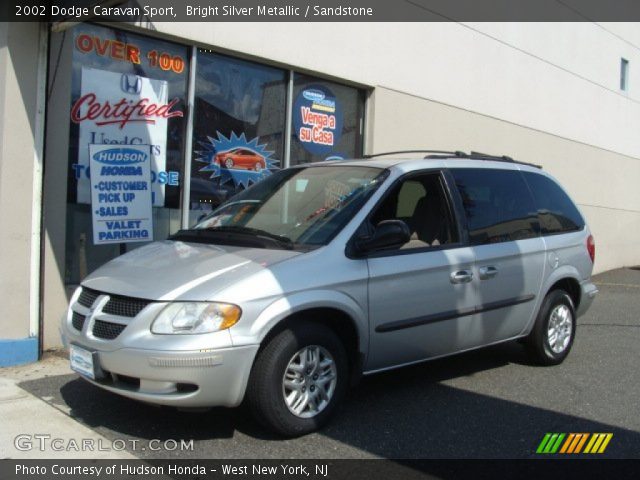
82 361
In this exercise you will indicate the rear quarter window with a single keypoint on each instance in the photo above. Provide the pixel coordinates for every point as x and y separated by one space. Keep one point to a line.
497 204
556 211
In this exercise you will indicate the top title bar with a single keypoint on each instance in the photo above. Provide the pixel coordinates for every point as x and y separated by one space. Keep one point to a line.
320 10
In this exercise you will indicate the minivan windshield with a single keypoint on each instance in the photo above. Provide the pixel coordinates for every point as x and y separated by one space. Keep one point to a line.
296 207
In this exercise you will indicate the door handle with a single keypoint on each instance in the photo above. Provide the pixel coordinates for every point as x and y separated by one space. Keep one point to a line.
487 272
461 276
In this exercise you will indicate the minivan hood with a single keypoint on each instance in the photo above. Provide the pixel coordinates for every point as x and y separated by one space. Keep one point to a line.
173 270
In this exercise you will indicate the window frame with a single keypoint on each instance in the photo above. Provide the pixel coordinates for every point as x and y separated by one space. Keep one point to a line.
451 199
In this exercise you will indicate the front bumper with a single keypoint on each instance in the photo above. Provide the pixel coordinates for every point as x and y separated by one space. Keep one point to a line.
204 370
181 379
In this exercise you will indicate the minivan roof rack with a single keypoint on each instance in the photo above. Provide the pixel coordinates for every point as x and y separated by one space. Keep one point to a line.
502 158
438 152
435 154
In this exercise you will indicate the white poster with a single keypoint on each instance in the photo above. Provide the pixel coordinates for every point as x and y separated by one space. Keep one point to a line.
121 109
121 193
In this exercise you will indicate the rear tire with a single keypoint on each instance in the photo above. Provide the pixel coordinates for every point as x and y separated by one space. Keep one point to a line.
552 336
298 379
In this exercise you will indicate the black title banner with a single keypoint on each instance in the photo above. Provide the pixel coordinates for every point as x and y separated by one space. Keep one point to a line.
149 11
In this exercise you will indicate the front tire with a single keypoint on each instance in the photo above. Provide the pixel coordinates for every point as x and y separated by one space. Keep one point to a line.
298 379
552 336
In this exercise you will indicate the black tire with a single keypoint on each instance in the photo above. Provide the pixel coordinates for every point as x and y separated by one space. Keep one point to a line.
265 395
538 342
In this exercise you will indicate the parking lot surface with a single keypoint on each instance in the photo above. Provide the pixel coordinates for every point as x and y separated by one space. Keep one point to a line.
491 403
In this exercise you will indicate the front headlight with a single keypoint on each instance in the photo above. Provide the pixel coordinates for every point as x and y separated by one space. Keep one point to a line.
195 317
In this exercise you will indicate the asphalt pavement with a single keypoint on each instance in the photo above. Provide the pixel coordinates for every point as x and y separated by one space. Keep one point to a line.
491 403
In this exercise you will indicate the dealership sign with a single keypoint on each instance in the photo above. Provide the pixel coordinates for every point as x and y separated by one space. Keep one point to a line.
121 193
317 119
123 110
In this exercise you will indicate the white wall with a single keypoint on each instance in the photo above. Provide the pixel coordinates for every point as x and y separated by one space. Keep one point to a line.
560 78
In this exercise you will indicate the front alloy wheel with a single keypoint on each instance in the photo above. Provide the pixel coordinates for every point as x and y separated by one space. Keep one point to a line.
309 381
298 379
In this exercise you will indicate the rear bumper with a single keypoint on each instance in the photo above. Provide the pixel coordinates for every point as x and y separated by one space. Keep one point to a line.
588 292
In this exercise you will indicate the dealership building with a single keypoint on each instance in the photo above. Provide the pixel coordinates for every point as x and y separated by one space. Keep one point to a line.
174 118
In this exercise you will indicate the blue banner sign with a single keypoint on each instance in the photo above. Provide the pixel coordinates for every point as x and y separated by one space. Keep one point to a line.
121 193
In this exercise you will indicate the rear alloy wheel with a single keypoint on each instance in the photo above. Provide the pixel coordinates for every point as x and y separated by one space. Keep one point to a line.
298 379
552 336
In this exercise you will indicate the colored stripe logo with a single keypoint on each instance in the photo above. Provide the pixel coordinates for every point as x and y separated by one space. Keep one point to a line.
573 443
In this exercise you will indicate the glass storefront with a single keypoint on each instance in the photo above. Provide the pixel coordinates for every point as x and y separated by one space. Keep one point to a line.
109 66
131 92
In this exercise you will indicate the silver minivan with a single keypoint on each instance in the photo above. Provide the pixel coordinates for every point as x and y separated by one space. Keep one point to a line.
286 293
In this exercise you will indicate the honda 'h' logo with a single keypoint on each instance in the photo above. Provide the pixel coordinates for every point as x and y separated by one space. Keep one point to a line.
131 84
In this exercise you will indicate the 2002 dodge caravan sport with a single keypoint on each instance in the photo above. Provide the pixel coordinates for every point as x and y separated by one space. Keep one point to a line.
294 287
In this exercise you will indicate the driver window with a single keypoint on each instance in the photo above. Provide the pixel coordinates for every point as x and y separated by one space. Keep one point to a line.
421 203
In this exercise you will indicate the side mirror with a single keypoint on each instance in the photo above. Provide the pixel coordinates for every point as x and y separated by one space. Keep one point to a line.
387 234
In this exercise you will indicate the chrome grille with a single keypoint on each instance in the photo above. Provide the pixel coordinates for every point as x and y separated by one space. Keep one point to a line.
107 330
87 297
124 306
77 321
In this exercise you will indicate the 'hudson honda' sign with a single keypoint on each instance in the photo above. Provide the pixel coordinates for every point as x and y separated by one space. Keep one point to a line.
121 193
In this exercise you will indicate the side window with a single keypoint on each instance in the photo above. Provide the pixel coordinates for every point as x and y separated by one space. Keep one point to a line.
409 195
497 204
422 204
556 212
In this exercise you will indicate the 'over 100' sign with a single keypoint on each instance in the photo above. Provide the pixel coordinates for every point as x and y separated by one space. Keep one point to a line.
121 193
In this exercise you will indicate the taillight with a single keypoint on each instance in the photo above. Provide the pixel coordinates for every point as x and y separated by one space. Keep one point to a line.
591 248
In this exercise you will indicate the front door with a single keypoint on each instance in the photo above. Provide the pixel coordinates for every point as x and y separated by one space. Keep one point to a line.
421 295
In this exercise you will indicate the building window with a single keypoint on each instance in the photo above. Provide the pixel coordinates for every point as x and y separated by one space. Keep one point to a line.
238 128
624 74
240 123
327 120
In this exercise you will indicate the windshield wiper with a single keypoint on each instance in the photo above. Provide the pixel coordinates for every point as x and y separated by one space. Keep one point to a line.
281 240
254 236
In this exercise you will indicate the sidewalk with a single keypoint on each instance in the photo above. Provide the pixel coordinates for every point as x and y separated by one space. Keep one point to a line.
25 417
